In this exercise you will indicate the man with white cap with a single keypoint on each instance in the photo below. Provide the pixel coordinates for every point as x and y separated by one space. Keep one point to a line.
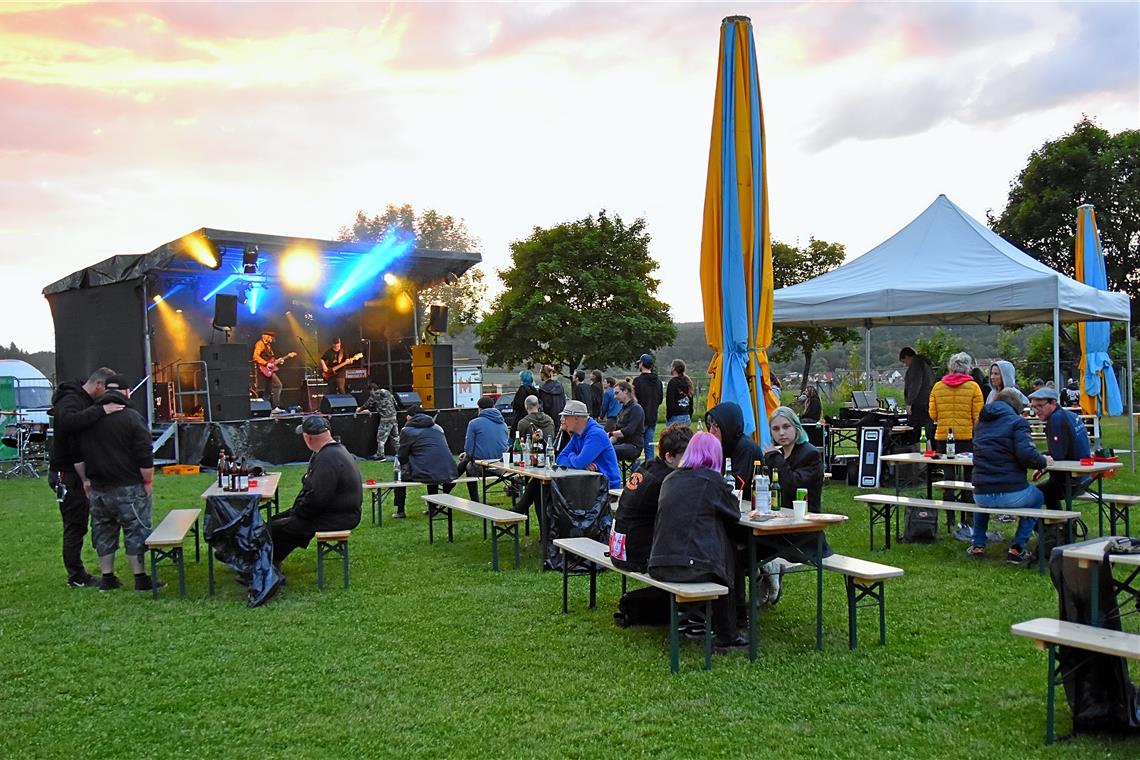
589 447
1067 439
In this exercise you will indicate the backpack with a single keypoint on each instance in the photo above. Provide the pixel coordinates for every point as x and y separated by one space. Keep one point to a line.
921 524
643 606
1054 536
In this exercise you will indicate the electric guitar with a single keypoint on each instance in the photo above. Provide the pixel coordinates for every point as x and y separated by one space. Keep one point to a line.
270 368
336 368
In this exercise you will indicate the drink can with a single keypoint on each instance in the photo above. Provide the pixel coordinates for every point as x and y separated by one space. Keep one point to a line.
801 494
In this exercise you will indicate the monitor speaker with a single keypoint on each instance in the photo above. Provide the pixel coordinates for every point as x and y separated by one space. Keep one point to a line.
259 409
225 408
405 399
225 311
438 323
338 403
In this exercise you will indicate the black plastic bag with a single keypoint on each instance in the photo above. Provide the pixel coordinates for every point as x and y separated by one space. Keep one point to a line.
643 606
1100 694
240 539
578 505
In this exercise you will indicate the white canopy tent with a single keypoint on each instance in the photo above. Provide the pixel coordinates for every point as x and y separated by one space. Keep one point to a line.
946 268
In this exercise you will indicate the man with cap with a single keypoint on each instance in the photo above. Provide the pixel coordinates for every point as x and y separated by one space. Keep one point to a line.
331 492
264 357
647 388
1067 439
117 471
589 447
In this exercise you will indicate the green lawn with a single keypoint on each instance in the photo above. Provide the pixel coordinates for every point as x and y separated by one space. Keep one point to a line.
430 653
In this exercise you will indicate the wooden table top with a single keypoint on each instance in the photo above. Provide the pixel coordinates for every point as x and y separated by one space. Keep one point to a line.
266 487
545 474
916 457
785 523
1090 553
1074 466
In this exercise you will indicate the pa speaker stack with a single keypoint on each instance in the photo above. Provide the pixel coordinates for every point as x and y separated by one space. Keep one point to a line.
227 373
338 403
432 375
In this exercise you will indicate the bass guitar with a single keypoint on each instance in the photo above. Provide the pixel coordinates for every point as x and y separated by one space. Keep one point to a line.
270 368
331 373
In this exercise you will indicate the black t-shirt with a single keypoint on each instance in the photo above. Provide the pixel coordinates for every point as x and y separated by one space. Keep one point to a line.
647 388
331 358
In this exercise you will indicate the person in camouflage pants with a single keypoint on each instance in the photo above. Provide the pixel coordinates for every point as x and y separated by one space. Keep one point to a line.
381 402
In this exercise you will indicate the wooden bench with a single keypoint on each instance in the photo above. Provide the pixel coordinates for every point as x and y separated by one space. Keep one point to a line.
332 542
1116 505
594 552
380 490
503 521
1049 634
165 542
881 506
863 580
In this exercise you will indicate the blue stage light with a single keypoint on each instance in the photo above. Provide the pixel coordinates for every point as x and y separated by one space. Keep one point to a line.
224 284
164 296
254 297
370 265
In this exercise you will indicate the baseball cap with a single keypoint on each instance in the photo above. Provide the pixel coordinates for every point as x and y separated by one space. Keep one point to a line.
117 383
646 359
1046 393
314 424
575 408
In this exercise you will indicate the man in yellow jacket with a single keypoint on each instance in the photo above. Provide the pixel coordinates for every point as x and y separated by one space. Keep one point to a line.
955 403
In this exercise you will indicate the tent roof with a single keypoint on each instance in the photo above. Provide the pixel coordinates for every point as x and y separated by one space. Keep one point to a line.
943 268
422 266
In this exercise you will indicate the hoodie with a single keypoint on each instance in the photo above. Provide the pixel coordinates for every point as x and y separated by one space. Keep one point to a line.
540 420
487 436
1008 380
955 403
424 455
117 446
553 398
736 445
72 412
1003 450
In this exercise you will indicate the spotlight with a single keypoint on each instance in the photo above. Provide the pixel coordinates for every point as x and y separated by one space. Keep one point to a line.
202 250
300 268
390 278
157 299
249 259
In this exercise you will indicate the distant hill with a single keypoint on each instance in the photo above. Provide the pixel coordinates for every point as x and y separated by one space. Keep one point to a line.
44 361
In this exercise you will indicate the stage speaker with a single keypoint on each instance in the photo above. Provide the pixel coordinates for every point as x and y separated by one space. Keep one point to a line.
259 409
225 356
225 408
229 382
404 399
438 323
225 311
338 403
425 355
423 376
444 396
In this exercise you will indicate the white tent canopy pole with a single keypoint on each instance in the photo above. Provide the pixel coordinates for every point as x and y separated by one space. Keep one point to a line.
1057 351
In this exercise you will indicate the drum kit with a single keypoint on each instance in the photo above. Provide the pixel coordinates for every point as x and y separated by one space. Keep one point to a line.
29 439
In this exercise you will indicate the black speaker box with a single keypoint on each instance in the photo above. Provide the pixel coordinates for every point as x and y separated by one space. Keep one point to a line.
338 403
259 409
225 311
404 399
438 321
223 408
226 356
229 382
444 396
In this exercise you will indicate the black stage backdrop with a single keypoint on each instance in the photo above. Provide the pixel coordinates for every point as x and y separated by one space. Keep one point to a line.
97 327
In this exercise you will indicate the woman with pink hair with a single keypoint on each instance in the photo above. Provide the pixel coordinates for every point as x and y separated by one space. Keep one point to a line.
695 512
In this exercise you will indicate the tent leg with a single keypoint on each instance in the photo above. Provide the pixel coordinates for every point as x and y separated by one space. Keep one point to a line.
1057 350
1128 408
871 385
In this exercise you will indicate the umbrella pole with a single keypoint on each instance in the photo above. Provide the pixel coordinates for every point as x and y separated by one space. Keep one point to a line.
1129 409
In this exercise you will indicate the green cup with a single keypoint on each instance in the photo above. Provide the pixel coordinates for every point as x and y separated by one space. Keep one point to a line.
801 494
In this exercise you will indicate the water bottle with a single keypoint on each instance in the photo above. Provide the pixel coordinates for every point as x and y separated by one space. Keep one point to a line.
761 496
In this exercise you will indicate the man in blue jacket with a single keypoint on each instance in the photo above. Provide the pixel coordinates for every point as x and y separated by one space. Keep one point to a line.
1067 440
487 438
589 447
1003 451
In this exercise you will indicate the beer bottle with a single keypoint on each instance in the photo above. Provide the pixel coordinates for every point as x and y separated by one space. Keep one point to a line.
951 447
776 503
221 468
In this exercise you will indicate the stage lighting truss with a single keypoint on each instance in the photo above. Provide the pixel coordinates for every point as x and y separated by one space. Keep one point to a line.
249 259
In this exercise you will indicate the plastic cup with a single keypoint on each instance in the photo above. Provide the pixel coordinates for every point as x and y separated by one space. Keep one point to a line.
799 510
1086 462
506 459
738 495
371 482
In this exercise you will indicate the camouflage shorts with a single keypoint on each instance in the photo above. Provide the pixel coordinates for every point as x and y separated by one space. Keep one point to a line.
121 507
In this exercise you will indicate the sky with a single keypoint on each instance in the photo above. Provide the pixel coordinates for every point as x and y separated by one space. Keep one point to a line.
128 125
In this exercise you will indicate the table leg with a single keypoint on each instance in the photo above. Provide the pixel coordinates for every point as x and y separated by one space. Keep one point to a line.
450 524
494 547
753 633
674 621
210 569
565 580
1068 492
154 573
180 562
1094 595
708 634
593 585
1040 546
819 590
197 548
518 552
1050 733
431 523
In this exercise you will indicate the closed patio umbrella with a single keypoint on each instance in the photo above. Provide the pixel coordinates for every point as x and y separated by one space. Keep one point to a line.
736 246
1100 393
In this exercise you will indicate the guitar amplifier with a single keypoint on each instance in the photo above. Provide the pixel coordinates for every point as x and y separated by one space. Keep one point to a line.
356 373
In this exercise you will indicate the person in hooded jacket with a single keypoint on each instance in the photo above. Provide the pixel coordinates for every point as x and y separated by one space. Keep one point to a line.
1003 451
486 438
637 506
917 384
536 425
1002 376
691 543
551 393
525 390
73 411
726 422
424 456
955 403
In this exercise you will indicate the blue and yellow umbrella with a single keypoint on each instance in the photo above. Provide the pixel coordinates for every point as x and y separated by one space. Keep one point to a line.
1100 393
736 245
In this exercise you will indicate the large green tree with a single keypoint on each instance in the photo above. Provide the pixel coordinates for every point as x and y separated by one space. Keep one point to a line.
1088 165
578 289
791 266
466 297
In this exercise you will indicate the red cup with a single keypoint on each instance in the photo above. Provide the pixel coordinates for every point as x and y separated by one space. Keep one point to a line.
1087 462
929 453
253 484
371 481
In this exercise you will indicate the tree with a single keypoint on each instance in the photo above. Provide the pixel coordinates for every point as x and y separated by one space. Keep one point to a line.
579 289
464 298
791 266
1088 165
938 348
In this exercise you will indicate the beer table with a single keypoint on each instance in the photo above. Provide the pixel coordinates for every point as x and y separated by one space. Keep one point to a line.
265 490
517 470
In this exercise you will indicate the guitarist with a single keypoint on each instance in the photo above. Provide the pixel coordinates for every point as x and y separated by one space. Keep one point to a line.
333 365
263 356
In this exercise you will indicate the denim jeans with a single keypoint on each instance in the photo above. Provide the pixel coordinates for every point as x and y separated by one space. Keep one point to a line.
649 436
1027 498
684 419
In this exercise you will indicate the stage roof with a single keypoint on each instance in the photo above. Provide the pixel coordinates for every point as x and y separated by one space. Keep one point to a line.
423 267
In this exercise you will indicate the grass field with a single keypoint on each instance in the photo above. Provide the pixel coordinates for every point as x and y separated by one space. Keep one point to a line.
430 654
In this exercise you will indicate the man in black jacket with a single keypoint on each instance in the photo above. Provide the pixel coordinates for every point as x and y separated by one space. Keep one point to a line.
647 387
917 384
423 457
73 411
627 433
330 497
726 422
117 470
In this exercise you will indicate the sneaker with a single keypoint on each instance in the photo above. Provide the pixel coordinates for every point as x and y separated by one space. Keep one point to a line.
278 410
143 583
963 533
1006 519
1016 555
726 645
399 515
87 581
976 551
692 630
110 583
